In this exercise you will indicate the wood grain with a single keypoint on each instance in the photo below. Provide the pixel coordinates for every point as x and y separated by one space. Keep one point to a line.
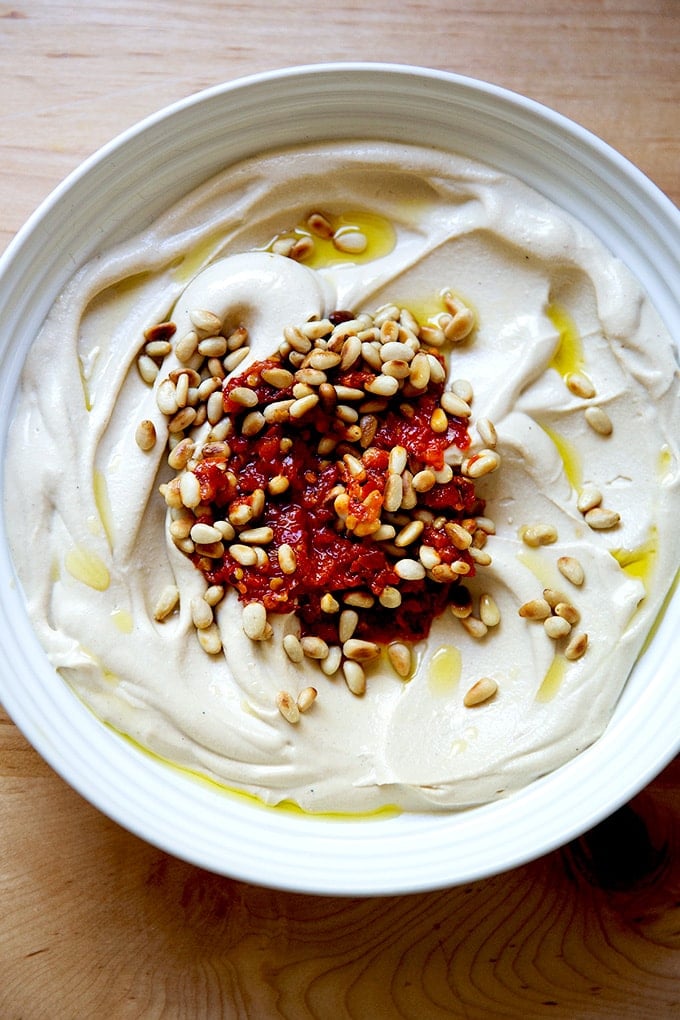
96 923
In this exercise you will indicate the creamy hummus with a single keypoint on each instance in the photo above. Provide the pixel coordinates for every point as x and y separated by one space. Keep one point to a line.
89 531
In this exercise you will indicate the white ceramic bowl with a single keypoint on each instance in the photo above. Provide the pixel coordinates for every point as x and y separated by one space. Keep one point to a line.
123 187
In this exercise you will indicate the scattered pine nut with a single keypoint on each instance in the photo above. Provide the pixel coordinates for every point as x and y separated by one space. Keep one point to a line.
306 698
314 647
210 640
352 243
580 385
331 664
293 648
475 628
288 707
201 612
167 602
489 612
576 647
567 612
599 420
355 677
480 692
601 519
254 620
538 534
400 657
556 627
145 436
571 568
535 609
588 498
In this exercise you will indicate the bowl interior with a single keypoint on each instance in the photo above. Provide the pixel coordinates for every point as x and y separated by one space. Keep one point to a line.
116 193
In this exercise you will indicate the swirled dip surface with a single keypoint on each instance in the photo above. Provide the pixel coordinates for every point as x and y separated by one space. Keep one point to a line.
89 531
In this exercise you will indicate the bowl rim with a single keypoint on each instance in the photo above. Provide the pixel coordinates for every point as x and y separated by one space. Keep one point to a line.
332 872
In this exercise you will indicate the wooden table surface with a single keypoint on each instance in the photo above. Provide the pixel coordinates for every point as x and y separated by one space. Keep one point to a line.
96 924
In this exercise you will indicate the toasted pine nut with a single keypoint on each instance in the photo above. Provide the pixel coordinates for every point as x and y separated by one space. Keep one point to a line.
571 568
488 610
580 385
424 480
186 346
567 612
189 490
394 492
480 692
167 602
209 639
145 436
400 658
306 698
599 420
538 534
535 609
475 628
314 647
360 651
355 677
329 604
205 322
588 498
287 706
487 432
201 612
347 624
409 534
556 627
319 225
390 597
480 464
331 664
455 405
243 554
601 519
576 647
409 570
352 243
254 621
293 648
234 359
382 385
204 534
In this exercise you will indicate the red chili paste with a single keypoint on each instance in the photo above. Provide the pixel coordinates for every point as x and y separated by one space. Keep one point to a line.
330 558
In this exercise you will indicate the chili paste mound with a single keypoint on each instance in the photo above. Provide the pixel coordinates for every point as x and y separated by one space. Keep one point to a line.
341 479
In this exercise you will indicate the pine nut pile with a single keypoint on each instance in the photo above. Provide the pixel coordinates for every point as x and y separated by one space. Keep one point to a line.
391 471
388 471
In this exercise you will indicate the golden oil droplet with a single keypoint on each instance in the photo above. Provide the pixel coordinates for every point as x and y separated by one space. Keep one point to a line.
122 620
379 233
285 806
552 679
103 504
445 670
199 257
568 356
666 461
86 567
539 566
570 457
639 563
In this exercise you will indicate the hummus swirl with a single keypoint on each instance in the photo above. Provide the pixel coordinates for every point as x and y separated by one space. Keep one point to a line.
549 301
